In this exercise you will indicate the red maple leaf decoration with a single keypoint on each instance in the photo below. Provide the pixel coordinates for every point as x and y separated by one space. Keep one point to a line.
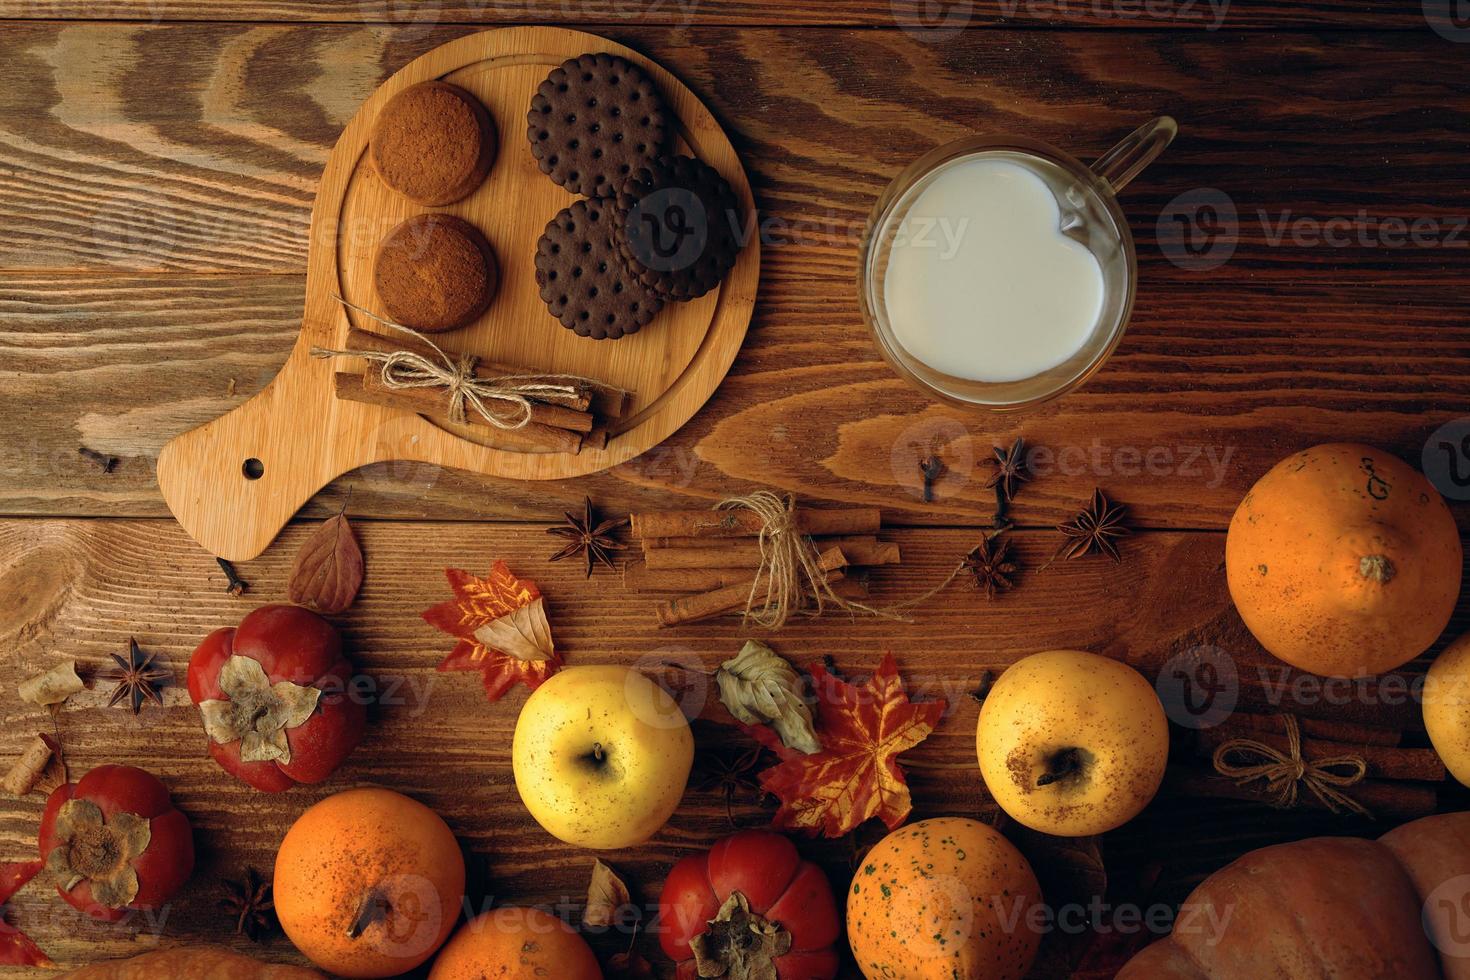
478 602
16 948
856 775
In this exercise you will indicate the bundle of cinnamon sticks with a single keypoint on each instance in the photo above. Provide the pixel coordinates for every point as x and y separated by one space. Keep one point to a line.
707 561
559 423
1401 781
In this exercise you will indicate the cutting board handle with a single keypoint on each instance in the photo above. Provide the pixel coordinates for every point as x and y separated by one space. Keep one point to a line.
234 483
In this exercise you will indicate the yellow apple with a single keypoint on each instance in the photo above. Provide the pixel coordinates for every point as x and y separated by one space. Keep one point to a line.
1447 707
601 756
1071 743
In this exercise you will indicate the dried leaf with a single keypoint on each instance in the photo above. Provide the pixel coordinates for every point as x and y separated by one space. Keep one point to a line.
524 633
606 894
856 775
760 687
328 568
257 713
477 603
53 686
16 948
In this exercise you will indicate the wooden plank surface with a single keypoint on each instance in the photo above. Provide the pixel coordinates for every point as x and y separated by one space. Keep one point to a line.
935 20
79 589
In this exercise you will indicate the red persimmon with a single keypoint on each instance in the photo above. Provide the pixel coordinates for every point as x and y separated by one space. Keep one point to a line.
277 699
753 883
114 842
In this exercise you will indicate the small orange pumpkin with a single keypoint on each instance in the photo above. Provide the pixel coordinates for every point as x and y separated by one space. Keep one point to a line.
369 883
1344 561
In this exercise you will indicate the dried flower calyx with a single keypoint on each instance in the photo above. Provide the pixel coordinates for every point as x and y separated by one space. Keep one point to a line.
740 943
588 538
98 850
258 713
138 678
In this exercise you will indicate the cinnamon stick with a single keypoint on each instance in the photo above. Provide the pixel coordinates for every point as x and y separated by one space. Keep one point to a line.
27 770
1384 799
746 553
638 577
1383 761
605 401
744 523
1243 724
368 388
705 605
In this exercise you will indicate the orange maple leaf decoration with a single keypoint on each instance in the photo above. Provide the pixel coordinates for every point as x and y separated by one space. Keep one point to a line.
856 775
478 602
16 948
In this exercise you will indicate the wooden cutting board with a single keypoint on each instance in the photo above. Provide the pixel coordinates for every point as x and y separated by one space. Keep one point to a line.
235 482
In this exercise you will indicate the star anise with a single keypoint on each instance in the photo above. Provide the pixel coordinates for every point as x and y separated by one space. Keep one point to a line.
990 563
138 679
1010 468
1093 530
730 773
587 538
251 904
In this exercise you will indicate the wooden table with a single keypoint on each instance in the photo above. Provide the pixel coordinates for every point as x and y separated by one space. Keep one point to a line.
157 167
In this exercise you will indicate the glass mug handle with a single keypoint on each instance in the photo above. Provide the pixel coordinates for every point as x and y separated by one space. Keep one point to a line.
1138 149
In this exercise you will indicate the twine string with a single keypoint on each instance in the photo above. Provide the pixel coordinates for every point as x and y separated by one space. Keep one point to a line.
504 402
1286 772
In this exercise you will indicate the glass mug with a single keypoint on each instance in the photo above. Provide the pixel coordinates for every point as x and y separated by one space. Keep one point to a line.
1088 215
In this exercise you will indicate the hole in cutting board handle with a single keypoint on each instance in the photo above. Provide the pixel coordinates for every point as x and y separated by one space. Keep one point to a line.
252 468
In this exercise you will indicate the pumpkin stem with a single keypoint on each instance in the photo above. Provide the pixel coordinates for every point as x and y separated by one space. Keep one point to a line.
1378 568
1065 763
373 908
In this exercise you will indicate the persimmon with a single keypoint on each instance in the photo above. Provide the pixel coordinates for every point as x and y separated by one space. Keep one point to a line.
369 883
516 944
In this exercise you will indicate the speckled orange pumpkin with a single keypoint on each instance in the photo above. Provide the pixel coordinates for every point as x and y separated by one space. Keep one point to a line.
516 944
1344 561
943 899
369 883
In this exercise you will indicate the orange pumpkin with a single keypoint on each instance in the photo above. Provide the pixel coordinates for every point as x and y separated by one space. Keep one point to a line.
1335 907
369 883
940 899
516 944
1344 561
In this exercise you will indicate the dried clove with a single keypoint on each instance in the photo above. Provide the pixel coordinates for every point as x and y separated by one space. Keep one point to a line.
105 462
237 585
932 469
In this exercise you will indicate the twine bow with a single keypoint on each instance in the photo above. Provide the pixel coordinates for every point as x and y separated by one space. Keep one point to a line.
504 402
789 569
1286 772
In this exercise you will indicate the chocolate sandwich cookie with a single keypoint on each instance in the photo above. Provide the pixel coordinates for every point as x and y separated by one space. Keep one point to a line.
433 143
678 227
582 281
435 272
595 120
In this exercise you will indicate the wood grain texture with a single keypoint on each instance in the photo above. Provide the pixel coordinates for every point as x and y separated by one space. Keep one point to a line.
1197 404
79 589
914 14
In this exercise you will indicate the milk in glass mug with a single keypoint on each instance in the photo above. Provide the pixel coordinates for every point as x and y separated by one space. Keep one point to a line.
999 272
